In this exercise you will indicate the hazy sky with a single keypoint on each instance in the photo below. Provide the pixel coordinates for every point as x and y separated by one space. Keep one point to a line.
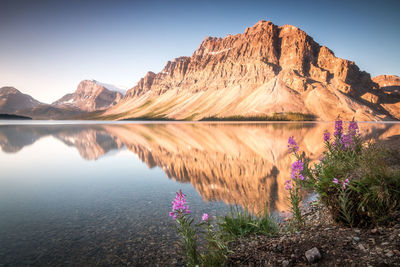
48 47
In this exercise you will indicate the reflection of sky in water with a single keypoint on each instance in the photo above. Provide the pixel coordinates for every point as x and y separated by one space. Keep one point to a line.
49 196
75 188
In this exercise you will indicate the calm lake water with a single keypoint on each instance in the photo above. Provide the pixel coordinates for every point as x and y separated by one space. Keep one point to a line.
99 193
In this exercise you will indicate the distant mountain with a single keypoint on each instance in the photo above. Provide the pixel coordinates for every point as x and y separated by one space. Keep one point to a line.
89 96
12 100
267 69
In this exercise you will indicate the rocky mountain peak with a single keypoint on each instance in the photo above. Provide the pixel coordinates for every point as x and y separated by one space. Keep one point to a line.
9 90
90 96
266 69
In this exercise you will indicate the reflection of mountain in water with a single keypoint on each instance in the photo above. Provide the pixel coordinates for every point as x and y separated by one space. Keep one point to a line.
244 164
92 141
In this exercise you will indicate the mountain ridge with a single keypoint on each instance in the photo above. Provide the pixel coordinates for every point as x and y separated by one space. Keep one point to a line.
88 97
266 70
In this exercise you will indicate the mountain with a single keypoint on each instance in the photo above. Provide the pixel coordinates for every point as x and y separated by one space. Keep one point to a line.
12 100
111 87
267 69
89 96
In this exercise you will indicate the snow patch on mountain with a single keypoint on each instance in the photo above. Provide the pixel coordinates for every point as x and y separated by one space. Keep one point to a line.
111 87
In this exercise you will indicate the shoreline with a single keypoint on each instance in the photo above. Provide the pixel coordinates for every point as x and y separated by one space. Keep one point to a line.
337 245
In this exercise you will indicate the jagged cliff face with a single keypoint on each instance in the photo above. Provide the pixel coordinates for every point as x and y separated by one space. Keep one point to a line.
266 69
12 100
89 96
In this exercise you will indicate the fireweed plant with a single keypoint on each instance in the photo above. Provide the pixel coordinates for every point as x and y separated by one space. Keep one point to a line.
353 178
215 250
293 184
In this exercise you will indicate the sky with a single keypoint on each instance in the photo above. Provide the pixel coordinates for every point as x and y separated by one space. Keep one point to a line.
48 47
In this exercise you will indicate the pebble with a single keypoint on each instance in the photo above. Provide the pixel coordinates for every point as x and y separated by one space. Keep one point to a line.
285 263
313 255
357 239
389 254
362 248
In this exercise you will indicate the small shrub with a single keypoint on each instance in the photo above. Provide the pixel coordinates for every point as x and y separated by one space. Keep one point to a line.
354 179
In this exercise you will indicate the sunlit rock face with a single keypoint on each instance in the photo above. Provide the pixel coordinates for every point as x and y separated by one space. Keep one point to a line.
266 69
89 96
388 95
244 164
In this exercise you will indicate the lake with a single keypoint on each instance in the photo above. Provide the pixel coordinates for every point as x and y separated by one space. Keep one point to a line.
99 193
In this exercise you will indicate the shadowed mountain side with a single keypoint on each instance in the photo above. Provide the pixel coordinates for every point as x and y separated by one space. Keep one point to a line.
12 100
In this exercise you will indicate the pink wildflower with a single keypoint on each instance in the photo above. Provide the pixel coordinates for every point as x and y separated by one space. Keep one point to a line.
338 128
347 141
288 184
353 128
205 217
345 183
335 181
297 168
327 136
292 145
179 205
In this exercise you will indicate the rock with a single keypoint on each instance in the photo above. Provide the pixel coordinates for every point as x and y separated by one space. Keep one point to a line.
285 263
356 238
370 97
373 231
313 255
387 82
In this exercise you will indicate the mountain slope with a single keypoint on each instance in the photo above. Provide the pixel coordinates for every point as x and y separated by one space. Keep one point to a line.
266 69
89 96
12 100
